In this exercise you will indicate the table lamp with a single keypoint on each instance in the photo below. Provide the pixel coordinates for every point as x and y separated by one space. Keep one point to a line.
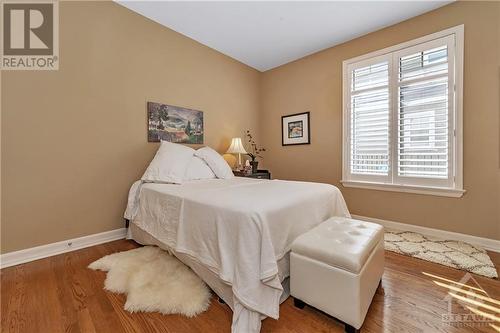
237 148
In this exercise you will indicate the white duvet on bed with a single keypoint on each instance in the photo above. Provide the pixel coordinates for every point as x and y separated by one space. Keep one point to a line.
239 228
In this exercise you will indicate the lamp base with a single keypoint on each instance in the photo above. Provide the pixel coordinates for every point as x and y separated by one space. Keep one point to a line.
239 167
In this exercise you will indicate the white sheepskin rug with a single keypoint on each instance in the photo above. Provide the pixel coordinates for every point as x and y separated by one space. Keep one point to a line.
449 253
154 281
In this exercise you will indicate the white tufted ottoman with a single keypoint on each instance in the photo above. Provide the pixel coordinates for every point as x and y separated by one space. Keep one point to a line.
336 267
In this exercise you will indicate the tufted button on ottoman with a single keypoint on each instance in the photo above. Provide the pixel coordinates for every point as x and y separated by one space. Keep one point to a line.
336 268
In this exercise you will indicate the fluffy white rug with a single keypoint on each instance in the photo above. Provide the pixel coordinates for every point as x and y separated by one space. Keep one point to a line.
450 253
154 281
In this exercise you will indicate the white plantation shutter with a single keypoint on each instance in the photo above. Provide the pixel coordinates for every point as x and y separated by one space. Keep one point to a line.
400 116
424 110
369 104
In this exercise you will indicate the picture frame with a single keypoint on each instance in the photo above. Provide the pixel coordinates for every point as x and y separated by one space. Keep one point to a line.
296 129
174 124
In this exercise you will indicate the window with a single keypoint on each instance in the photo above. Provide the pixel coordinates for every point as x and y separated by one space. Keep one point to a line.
403 117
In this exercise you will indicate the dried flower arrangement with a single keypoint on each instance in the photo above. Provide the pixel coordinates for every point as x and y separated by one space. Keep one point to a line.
255 149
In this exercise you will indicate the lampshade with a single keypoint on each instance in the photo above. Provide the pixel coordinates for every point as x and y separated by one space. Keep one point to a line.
236 147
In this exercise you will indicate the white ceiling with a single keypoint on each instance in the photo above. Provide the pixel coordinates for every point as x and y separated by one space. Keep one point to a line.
265 35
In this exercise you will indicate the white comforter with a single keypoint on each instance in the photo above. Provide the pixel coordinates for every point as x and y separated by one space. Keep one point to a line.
239 228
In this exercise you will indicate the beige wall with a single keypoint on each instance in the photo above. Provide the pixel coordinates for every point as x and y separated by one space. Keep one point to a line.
74 140
314 84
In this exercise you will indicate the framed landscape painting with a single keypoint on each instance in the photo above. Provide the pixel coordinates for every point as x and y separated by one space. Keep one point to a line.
295 129
174 124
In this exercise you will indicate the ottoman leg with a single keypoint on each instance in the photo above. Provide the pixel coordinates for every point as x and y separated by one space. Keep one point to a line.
298 303
350 329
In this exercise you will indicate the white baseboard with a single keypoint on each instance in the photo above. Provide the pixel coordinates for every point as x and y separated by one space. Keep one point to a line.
486 243
44 251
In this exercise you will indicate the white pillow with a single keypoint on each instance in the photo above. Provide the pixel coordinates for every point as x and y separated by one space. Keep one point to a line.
169 164
198 169
215 161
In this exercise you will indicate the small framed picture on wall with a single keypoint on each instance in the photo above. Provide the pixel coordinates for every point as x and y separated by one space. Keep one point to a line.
295 129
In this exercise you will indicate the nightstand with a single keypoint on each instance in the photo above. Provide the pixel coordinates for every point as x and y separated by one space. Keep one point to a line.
260 174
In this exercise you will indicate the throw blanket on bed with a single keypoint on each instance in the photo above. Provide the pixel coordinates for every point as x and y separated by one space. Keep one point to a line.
239 228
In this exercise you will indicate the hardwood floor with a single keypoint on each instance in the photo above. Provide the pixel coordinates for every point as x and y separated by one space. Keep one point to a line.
59 294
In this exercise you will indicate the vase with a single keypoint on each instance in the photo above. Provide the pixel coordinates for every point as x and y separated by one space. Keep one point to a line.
254 165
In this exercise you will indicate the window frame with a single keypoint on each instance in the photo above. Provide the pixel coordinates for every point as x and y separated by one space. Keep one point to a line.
453 188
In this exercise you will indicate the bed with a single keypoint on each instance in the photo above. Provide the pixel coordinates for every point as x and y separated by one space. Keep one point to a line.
234 233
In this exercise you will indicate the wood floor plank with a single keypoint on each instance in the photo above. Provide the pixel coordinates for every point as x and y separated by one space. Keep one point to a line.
42 309
13 297
60 294
85 322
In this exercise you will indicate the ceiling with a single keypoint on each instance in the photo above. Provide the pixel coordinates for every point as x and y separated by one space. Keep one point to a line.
265 35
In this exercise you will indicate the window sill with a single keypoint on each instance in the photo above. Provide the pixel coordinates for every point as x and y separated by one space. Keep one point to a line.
437 191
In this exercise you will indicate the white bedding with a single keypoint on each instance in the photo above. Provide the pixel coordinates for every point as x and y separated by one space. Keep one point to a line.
238 228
